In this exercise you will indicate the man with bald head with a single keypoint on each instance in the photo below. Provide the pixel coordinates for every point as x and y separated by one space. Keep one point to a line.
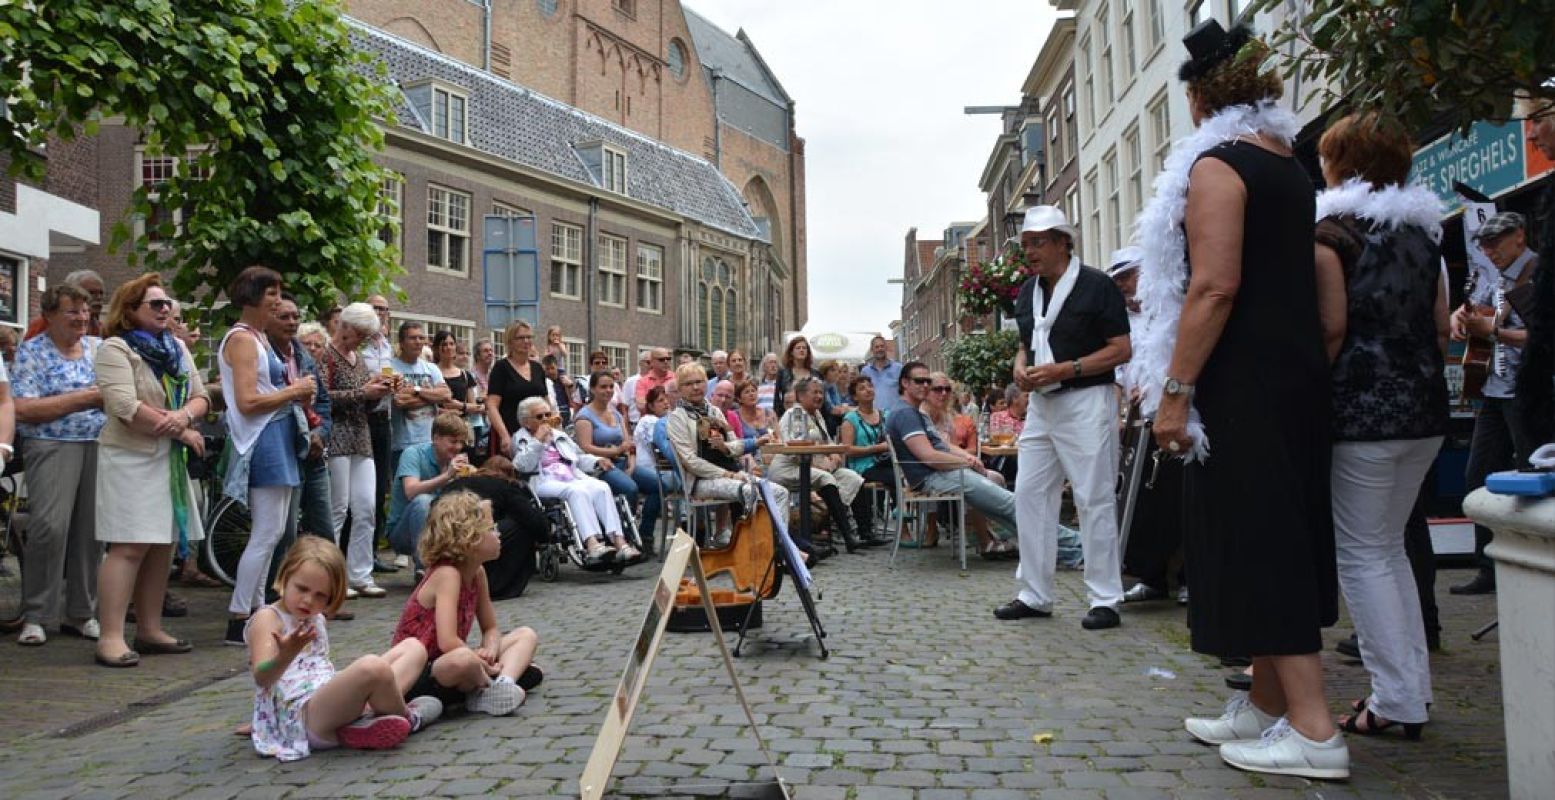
658 374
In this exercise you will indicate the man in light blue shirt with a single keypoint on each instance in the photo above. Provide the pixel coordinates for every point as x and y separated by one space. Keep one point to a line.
884 374
421 391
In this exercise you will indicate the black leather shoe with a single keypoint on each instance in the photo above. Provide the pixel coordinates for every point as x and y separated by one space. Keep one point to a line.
1015 609
382 567
1483 583
1349 648
1099 618
875 541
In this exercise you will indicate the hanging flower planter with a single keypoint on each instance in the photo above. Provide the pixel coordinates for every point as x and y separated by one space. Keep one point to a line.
993 286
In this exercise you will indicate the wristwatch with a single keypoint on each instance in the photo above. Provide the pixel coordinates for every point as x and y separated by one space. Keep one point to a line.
1175 387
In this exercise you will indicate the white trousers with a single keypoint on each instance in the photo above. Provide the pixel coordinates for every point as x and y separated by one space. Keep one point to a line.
1374 486
1071 434
268 507
589 500
353 485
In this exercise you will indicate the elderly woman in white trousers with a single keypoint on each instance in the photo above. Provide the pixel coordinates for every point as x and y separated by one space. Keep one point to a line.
561 471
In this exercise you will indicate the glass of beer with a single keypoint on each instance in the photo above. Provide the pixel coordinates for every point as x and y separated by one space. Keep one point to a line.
1001 432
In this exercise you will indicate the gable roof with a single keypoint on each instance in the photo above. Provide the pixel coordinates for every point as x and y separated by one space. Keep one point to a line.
735 56
518 124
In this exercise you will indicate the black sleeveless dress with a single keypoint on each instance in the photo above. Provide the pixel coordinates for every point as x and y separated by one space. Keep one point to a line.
1258 522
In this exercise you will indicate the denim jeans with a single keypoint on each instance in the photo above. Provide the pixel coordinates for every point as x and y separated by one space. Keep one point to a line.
405 537
621 482
648 485
982 494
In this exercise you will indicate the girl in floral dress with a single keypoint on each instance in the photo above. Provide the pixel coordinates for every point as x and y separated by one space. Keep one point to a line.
300 703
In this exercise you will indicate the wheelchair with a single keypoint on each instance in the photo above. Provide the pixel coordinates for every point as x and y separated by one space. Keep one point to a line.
563 543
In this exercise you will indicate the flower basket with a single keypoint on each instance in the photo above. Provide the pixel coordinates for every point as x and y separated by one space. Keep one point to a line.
994 286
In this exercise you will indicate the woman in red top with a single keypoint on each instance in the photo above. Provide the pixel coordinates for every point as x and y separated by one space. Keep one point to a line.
494 677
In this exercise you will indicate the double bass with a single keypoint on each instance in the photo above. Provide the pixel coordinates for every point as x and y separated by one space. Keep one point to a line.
747 563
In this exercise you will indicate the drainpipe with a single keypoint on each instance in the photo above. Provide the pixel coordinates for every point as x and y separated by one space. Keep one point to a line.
718 140
486 37
793 217
591 236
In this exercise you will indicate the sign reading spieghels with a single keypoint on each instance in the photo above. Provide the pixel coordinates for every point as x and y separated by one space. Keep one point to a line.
1489 158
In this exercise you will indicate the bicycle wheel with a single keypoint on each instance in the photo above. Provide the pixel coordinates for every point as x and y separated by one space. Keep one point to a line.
226 535
10 578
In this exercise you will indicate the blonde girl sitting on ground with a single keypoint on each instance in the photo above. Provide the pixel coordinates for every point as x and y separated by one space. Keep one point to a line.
494 677
301 703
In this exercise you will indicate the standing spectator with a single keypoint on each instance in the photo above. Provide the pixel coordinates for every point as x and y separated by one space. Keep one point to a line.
264 423
602 433
718 371
658 375
554 346
884 373
310 503
629 386
1073 332
558 388
419 393
461 354
1246 354
512 379
186 559
59 411
354 392
485 359
1383 300
465 398
739 368
315 337
377 352
331 320
766 384
798 363
87 281
152 395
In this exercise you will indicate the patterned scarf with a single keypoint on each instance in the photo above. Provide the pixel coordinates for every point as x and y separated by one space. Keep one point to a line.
710 425
165 357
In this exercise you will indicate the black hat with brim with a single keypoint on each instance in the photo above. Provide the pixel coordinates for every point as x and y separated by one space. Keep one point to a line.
1209 46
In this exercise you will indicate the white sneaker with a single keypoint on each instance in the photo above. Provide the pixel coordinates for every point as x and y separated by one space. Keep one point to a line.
32 635
402 561
423 711
352 593
1282 750
1182 596
721 539
1241 722
499 699
367 590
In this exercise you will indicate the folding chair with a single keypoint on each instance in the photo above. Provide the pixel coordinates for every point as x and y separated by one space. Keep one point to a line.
681 496
907 497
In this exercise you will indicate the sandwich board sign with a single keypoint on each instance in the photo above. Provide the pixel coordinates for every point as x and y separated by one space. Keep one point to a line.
639 662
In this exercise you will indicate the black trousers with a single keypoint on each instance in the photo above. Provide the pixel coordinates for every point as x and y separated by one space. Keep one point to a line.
863 503
1422 562
1156 534
383 465
1500 442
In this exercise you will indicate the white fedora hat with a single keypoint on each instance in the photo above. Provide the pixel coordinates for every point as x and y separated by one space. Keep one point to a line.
1124 260
1047 218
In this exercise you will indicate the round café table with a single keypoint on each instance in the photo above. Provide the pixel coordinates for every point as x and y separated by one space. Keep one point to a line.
805 452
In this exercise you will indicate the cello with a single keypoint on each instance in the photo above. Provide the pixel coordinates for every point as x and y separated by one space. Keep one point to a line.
747 563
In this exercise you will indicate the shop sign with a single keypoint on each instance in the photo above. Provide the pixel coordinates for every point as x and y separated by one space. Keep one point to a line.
1492 158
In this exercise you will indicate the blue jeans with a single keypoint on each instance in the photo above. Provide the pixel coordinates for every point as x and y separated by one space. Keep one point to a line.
621 482
648 482
405 536
982 494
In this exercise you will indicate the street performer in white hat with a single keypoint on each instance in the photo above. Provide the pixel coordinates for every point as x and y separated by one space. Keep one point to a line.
1073 332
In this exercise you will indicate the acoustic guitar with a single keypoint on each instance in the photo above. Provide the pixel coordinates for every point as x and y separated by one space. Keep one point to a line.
1478 353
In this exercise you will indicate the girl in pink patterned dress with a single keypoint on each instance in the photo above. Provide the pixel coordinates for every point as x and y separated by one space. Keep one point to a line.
300 703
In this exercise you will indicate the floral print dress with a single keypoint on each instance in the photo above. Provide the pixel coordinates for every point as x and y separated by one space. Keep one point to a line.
280 726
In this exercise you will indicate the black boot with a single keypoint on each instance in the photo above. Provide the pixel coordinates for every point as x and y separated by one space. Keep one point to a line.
841 519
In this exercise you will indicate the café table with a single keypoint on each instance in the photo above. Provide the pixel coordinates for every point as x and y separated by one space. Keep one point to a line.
805 452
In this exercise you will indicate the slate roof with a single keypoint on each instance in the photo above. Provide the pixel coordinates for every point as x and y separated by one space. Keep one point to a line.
736 56
515 123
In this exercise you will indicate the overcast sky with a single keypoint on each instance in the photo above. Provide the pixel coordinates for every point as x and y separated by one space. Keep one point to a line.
879 86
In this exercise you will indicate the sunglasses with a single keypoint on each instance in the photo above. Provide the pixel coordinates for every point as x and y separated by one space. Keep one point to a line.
381 309
940 389
922 381
159 304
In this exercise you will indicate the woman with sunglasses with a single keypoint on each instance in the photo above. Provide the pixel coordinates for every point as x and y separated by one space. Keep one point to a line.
959 430
152 395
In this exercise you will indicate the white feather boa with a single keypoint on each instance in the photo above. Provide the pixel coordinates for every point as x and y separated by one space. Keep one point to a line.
1390 206
1163 275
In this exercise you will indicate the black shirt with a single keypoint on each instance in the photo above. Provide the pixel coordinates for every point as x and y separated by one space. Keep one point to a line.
1093 313
510 387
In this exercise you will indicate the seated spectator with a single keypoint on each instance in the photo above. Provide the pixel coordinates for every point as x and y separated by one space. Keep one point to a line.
601 432
423 472
560 472
863 431
930 463
837 485
960 432
521 524
1009 415
652 482
707 453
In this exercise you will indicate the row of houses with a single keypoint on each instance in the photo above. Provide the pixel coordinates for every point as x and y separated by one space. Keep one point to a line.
657 153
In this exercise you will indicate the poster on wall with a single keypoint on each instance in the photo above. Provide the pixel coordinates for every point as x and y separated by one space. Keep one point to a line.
10 269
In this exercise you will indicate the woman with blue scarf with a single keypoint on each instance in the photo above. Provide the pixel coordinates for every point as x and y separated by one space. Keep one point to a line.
152 395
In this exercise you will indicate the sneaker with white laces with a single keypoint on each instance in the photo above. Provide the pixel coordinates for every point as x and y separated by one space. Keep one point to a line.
374 733
1242 721
499 699
1282 750
32 635
402 561
368 589
423 711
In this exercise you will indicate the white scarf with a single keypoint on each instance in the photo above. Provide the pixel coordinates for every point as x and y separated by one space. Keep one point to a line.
1163 274
1390 206
1042 351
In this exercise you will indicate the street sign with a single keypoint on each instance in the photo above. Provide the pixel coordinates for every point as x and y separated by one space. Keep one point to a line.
510 261
1492 158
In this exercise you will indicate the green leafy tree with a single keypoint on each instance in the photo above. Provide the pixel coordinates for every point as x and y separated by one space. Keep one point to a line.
982 360
268 98
1424 61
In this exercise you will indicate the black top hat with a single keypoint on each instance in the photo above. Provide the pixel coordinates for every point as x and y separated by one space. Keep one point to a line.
1209 46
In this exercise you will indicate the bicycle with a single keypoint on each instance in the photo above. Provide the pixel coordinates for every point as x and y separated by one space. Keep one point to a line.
13 537
227 521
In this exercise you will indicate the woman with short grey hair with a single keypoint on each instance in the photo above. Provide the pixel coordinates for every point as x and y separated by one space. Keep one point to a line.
837 485
353 393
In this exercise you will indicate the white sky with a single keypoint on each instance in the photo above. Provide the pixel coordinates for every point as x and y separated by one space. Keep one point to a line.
879 86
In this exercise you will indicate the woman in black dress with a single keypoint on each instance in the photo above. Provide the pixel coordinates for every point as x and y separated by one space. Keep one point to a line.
514 378
1249 357
521 525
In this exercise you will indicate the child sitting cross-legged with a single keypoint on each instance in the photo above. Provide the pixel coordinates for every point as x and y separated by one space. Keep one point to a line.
301 703
494 677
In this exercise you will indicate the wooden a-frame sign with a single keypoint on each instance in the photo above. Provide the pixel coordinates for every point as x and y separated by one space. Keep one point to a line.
618 716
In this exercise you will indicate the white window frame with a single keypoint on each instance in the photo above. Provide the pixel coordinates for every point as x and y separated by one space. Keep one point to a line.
447 229
1093 199
1108 77
577 356
454 104
1155 29
463 329
612 270
1072 202
499 345
650 282
1090 85
1160 112
391 209
502 209
569 260
617 355
191 157
1130 45
1136 169
20 289
612 169
1109 165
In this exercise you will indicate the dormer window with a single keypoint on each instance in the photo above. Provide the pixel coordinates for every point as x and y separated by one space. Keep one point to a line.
444 109
605 163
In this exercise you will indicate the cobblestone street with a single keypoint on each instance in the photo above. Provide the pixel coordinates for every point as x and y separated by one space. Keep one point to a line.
925 696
